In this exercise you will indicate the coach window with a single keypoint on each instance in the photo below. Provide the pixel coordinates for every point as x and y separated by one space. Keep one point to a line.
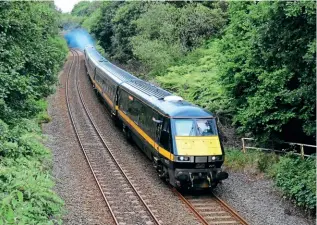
149 122
165 135
155 126
110 90
142 116
103 82
133 108
91 64
123 100
97 77
107 87
113 90
137 107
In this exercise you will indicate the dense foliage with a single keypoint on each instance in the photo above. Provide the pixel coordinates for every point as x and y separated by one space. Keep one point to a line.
268 69
84 14
297 179
196 79
252 162
31 53
26 195
156 34
166 32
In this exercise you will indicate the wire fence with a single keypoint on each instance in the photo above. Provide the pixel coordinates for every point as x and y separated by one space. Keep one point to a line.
291 144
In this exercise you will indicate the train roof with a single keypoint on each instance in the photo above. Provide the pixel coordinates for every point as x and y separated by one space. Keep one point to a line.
158 98
169 107
106 66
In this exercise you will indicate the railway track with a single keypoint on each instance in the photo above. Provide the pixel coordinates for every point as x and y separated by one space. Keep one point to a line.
125 203
211 210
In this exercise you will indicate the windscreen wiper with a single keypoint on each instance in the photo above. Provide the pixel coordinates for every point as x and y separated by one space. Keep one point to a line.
192 129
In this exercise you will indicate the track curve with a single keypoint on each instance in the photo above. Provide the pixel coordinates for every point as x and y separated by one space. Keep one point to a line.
102 163
209 209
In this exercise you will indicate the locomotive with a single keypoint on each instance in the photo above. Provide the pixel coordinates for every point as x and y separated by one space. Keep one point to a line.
180 138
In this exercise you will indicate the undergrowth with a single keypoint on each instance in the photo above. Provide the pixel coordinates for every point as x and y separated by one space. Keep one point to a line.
43 116
26 195
295 177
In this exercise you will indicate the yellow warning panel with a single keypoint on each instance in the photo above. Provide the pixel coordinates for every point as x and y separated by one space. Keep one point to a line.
194 145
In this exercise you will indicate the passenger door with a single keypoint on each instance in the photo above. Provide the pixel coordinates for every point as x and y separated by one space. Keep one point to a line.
157 133
163 138
165 135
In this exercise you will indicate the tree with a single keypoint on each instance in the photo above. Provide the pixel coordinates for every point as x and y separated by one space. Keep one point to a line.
31 54
268 69
125 28
166 32
85 8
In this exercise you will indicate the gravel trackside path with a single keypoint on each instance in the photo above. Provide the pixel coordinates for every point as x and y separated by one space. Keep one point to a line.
258 201
74 181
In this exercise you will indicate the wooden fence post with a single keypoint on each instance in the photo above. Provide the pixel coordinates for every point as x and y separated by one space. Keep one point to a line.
302 151
243 147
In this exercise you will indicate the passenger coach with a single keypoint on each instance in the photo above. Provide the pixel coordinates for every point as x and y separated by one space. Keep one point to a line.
181 139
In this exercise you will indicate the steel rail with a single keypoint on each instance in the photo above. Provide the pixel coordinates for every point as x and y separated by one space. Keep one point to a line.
230 210
222 203
111 154
79 141
191 207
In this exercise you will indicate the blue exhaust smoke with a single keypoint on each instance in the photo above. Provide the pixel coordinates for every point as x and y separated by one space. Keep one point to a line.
79 38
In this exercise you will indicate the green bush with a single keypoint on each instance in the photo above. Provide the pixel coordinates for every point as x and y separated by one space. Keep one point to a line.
195 78
42 116
26 195
166 33
32 53
297 179
92 19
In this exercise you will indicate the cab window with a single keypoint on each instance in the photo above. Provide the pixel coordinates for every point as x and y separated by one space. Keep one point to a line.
206 127
185 127
195 127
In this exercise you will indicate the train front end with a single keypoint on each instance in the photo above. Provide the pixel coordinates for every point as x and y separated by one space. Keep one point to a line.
198 153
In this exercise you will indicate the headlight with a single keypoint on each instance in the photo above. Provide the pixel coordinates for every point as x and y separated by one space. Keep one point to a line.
183 158
214 158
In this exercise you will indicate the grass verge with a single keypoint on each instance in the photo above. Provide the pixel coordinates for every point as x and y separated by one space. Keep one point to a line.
295 177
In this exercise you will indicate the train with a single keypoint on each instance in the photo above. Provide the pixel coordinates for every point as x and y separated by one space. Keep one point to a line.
181 139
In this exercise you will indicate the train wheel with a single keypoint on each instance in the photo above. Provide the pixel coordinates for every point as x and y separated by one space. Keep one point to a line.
116 121
129 136
100 99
